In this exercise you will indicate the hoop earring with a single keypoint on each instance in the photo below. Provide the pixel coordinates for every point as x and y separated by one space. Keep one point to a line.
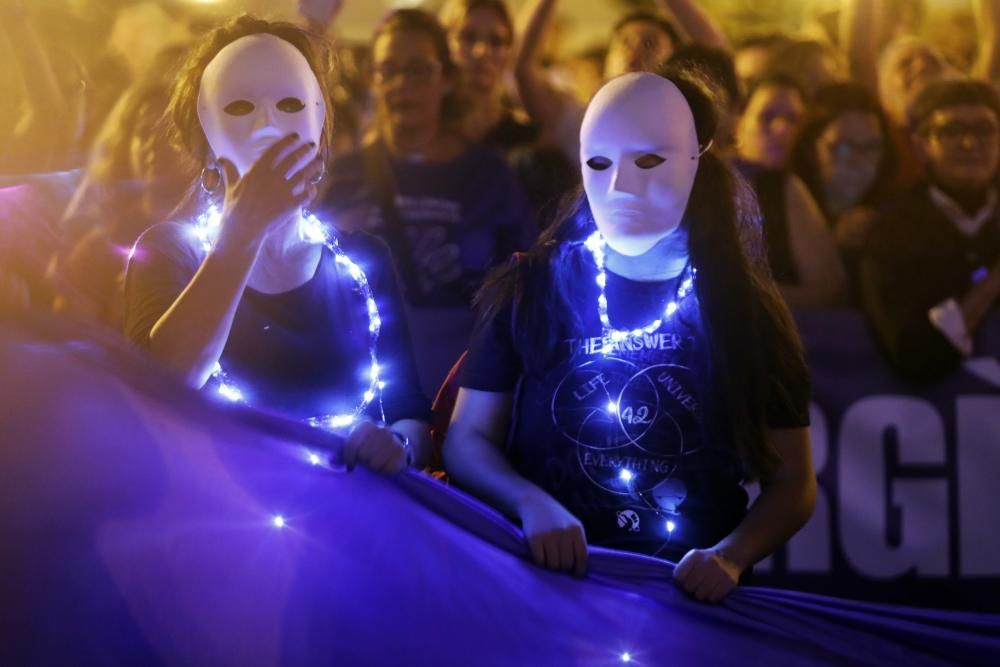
703 150
210 179
319 179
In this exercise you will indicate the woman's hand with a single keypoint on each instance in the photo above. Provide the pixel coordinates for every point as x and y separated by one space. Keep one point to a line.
272 191
376 448
707 574
556 537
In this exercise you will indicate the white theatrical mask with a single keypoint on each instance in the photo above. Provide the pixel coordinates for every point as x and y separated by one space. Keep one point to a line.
255 91
639 154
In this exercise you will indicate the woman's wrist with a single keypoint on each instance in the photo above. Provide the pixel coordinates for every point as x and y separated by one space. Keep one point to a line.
407 446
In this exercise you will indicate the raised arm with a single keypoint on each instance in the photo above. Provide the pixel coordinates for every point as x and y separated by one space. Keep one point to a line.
541 100
987 65
695 22
320 15
860 26
190 336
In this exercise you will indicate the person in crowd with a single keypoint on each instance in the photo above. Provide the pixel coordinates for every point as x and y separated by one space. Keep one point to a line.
648 356
810 63
800 247
844 155
245 298
133 178
448 209
481 35
717 66
640 41
931 269
753 55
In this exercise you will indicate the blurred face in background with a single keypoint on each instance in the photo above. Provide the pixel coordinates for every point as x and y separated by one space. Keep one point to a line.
848 154
765 131
960 147
163 170
481 46
408 81
750 62
637 46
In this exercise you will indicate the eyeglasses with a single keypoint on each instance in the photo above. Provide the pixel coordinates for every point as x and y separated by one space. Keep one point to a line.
494 42
953 135
417 71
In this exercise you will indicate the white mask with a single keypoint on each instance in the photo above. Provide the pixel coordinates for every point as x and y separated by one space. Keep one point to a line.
639 154
255 91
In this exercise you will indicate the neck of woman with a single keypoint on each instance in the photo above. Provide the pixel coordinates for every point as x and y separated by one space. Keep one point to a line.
663 261
485 111
285 259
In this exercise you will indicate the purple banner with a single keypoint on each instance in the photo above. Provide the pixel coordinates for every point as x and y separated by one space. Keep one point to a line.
145 524
909 505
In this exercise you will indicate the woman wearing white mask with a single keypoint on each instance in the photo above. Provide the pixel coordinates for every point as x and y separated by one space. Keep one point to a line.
648 357
255 297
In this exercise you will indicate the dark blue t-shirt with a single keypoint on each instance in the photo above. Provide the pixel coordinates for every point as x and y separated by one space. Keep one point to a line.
620 438
303 352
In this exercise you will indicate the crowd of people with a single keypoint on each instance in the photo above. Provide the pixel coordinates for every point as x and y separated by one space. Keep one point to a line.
463 169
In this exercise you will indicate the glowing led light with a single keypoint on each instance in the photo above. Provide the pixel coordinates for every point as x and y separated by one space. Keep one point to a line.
670 526
206 230
626 657
278 521
595 243
314 458
613 407
625 475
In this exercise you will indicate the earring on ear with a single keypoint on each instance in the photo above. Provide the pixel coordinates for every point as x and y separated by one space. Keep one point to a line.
210 178
703 149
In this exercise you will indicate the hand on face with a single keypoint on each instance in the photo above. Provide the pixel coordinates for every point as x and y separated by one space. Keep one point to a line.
257 90
707 574
639 154
272 191
556 537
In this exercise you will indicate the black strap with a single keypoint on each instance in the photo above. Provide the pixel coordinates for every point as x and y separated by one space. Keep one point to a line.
380 176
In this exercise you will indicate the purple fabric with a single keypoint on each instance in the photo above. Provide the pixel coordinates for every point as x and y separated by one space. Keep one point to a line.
138 530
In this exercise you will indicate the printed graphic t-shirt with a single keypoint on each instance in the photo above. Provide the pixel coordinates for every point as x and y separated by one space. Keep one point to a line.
616 432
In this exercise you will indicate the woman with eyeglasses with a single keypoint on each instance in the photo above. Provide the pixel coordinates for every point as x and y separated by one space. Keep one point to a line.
844 156
449 209
930 272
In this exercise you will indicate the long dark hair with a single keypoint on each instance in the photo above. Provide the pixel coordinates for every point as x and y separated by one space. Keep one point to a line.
752 338
830 103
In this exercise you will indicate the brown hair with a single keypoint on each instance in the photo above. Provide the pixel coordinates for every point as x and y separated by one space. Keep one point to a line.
187 132
456 10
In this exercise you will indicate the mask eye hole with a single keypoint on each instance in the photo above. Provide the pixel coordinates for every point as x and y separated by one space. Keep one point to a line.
239 108
649 161
290 105
599 163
